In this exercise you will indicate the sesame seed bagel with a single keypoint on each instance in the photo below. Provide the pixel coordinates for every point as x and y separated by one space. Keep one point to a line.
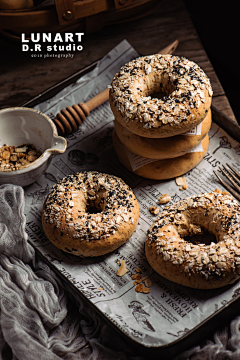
90 214
161 169
163 148
198 266
186 87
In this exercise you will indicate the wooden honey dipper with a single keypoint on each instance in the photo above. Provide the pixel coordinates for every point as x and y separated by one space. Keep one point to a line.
68 120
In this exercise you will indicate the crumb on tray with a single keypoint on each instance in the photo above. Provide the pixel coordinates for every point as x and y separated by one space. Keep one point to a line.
165 198
181 181
154 210
141 281
122 270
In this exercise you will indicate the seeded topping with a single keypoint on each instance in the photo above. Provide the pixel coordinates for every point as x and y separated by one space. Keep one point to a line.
91 205
183 82
216 212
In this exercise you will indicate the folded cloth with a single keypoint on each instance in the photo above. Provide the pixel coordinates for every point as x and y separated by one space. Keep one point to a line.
39 319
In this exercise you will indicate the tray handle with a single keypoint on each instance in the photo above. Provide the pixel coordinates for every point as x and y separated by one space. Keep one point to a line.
70 10
65 11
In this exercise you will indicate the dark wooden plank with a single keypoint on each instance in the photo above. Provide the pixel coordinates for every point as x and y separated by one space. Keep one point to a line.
221 103
23 77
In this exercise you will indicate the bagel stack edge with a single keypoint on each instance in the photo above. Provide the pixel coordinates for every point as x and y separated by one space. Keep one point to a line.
159 129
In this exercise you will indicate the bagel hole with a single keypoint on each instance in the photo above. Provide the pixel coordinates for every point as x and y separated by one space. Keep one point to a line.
93 210
159 90
204 238
158 95
94 207
97 205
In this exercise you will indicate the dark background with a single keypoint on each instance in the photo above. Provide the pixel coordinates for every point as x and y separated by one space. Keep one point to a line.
217 24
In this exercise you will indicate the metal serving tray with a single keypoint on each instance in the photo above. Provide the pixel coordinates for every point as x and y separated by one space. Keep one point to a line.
205 327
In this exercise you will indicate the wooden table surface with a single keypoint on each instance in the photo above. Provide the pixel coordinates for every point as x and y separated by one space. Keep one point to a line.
23 77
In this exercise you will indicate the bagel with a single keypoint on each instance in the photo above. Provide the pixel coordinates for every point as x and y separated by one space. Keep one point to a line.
164 147
161 169
90 214
187 90
197 266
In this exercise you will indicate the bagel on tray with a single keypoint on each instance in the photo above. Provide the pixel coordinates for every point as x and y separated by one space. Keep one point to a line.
197 265
187 90
90 213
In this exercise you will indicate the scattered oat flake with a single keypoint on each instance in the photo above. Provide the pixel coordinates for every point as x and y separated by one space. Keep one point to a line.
154 210
100 288
147 282
122 270
146 290
142 289
138 281
136 277
165 198
181 181
138 269
139 288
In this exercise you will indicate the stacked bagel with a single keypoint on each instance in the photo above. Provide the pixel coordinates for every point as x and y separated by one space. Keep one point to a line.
154 130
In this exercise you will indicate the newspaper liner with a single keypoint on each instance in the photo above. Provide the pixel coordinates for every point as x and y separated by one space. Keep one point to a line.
136 161
170 311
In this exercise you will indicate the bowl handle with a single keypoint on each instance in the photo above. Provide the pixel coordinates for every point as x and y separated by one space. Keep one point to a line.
59 145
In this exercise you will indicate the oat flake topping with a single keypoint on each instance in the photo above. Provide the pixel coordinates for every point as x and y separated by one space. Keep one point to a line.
216 212
92 205
185 84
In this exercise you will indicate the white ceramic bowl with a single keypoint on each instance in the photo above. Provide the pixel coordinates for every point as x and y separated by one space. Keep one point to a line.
21 125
